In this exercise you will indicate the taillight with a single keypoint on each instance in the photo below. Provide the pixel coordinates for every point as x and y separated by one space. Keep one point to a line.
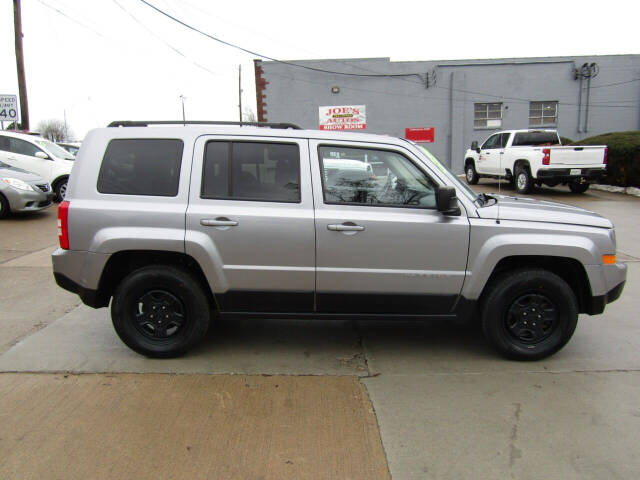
63 225
546 159
606 154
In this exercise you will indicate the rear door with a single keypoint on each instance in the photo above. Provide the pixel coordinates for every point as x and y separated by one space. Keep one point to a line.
250 217
22 154
381 245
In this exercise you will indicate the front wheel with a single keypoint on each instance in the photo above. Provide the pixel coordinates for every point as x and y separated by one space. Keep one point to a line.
160 311
529 314
470 174
60 189
578 187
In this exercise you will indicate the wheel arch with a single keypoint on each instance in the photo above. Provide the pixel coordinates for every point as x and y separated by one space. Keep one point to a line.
121 263
569 269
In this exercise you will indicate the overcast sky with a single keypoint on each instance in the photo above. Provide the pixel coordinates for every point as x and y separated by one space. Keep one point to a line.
102 60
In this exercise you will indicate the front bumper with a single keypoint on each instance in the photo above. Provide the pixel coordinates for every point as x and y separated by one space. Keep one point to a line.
564 174
27 201
597 303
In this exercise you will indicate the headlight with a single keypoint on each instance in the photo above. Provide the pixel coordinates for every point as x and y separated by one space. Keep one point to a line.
19 184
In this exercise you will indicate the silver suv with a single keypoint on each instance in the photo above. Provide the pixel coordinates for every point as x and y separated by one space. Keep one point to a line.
177 224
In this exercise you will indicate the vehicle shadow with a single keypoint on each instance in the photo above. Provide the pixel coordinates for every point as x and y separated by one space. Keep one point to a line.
397 337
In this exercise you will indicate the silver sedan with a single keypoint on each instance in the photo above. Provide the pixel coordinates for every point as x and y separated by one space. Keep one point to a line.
21 191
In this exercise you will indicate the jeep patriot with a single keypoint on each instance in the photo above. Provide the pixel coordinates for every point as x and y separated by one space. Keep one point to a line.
174 225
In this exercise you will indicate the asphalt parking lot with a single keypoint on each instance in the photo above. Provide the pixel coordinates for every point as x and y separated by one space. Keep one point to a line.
295 399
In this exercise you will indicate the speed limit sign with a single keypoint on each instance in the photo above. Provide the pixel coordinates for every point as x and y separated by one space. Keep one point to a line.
9 108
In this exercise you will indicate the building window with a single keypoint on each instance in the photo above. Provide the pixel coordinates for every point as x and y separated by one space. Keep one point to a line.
487 115
543 114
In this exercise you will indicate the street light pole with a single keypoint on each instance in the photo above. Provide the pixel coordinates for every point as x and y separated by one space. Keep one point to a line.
182 99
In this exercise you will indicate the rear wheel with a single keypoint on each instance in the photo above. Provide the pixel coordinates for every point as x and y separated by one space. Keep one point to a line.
160 311
577 186
523 182
529 314
471 174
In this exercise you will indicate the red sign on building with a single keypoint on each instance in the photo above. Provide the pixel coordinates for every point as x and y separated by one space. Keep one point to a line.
420 134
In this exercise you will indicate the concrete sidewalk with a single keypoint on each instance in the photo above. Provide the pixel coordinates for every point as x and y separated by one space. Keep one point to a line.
187 427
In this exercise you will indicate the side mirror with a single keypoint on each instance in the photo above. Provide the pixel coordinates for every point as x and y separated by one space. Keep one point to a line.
42 155
447 201
474 145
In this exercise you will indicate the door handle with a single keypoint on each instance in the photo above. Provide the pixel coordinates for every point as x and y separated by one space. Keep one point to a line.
218 222
345 227
11 157
487 153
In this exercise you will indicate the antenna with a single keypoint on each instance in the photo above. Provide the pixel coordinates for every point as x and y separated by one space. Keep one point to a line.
499 180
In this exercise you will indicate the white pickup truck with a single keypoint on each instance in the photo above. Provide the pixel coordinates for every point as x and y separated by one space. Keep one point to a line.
535 157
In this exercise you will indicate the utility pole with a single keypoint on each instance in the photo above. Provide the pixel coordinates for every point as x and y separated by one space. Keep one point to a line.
22 83
182 98
240 92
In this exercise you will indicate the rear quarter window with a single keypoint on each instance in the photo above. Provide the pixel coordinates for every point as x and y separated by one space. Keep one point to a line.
141 167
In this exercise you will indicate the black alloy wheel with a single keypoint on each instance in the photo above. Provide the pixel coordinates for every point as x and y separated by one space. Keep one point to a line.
159 314
531 318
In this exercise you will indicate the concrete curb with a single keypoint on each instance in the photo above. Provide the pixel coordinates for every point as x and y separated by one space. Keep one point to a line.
611 188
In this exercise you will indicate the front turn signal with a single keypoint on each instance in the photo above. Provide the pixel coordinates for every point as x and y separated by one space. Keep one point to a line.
609 259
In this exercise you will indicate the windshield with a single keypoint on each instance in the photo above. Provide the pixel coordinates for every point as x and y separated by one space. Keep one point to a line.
473 196
54 149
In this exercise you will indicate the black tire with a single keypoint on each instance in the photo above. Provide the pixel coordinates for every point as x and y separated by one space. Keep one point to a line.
60 188
577 187
5 210
513 326
149 290
470 173
522 182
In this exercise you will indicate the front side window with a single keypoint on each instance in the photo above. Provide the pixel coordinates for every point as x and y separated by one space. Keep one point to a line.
492 142
22 148
543 114
487 115
141 167
259 171
359 176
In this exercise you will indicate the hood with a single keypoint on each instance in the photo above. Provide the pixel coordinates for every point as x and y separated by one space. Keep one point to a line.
531 210
13 172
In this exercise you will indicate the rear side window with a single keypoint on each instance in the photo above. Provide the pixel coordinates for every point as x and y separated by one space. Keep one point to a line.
534 139
259 171
141 167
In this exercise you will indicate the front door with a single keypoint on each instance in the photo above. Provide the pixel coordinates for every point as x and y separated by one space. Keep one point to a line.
250 222
381 245
489 159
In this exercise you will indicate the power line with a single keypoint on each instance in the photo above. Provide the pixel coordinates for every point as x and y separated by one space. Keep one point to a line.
251 52
441 99
73 19
158 37
618 83
349 74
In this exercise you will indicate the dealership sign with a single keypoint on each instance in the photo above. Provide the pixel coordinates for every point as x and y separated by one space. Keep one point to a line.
421 134
9 109
343 117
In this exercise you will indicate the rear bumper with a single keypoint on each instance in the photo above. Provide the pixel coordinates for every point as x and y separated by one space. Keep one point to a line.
564 174
89 297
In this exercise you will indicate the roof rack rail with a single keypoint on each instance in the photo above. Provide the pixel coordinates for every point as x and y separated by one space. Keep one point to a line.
145 123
